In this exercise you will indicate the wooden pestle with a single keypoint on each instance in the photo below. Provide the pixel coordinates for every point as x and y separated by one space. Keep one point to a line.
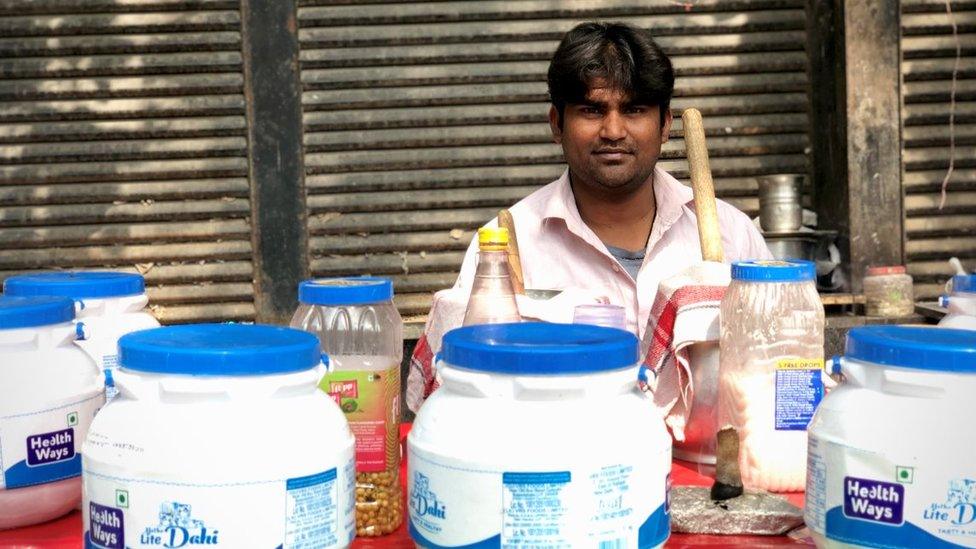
728 478
506 221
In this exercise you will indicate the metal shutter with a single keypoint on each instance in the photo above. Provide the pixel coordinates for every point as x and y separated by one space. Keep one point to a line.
424 118
928 57
123 145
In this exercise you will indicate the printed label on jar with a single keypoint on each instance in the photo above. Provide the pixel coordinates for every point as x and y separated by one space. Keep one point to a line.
874 500
799 390
618 505
40 446
370 400
305 512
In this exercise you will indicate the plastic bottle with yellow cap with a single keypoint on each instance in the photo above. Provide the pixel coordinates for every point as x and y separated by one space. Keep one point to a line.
492 299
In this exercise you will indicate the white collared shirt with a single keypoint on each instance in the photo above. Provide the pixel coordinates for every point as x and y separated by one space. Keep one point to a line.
559 251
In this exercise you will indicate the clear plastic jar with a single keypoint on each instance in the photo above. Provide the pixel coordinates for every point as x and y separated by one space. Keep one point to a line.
771 368
360 329
888 292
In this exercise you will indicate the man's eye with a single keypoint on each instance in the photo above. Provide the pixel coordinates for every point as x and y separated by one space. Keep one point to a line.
636 110
589 110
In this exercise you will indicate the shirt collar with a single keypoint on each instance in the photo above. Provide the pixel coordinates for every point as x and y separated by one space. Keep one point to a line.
671 197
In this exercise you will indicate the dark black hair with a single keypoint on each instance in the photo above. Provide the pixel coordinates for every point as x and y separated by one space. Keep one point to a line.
626 58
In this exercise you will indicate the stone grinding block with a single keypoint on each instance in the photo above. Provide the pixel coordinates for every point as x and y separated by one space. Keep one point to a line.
693 511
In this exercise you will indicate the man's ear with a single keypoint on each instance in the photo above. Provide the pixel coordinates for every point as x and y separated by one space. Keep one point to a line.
666 127
557 132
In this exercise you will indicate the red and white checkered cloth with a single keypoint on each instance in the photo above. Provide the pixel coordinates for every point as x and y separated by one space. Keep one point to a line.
685 312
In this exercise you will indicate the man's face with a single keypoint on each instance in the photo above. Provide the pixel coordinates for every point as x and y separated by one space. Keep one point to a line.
610 144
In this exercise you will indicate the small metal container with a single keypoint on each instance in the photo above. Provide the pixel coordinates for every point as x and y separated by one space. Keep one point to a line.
780 202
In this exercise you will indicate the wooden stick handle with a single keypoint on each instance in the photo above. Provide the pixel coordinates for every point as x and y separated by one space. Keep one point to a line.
506 221
701 185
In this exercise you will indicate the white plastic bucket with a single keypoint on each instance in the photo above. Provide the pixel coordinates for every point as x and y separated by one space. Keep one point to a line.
49 393
892 450
108 305
538 437
219 435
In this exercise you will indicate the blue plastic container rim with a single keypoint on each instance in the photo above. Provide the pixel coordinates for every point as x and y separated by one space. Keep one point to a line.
76 284
774 270
355 290
30 312
964 283
921 348
536 348
238 350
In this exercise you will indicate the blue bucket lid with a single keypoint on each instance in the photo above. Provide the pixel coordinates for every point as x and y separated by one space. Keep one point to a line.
28 312
762 270
354 290
76 284
219 350
934 349
964 283
536 348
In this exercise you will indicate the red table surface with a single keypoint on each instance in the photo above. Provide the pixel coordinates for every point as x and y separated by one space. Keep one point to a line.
65 533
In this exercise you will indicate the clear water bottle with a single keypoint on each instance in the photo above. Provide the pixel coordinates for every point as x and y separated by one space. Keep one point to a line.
361 331
492 299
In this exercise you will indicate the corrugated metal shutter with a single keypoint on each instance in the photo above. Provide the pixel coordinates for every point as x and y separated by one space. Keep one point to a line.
423 119
928 58
123 145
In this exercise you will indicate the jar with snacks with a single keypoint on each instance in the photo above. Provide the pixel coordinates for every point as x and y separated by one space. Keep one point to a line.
888 292
771 369
360 329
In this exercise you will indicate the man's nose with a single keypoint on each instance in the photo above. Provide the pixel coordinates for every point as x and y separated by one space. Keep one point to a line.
613 128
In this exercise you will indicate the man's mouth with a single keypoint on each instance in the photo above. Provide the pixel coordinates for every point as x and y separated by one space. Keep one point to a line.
612 154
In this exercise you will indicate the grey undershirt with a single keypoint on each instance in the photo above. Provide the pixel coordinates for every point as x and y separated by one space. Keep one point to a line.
631 261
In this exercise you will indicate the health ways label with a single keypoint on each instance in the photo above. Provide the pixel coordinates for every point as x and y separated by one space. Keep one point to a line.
42 446
106 526
875 500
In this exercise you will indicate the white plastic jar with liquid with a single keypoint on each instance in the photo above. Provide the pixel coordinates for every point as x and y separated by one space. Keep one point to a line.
49 393
219 436
892 457
107 304
538 437
960 302
360 329
771 369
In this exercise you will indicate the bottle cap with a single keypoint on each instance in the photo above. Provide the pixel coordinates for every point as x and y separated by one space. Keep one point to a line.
886 270
790 270
538 349
963 284
28 312
599 314
76 284
356 290
492 239
920 348
219 350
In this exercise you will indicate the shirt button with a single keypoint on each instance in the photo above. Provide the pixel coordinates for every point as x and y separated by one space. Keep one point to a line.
616 268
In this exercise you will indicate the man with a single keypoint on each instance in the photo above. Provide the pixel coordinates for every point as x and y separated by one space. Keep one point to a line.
614 224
